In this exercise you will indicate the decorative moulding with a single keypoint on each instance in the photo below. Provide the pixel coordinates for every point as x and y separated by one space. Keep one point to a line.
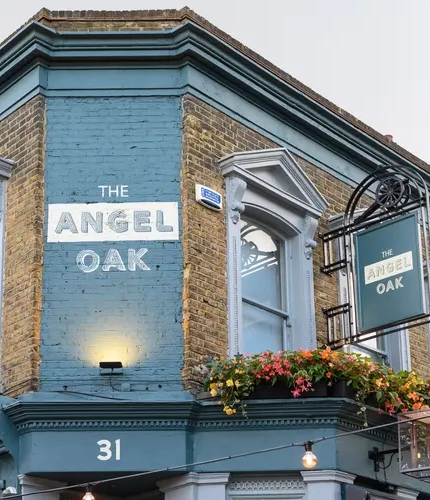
266 483
193 478
267 488
228 65
6 167
320 476
282 414
276 172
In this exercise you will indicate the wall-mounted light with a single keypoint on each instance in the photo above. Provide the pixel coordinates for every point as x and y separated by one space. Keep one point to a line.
309 459
110 368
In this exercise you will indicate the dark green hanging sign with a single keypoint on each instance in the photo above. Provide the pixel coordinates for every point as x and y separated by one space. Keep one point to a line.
389 274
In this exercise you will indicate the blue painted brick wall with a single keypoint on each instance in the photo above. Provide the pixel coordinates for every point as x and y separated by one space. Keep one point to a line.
130 316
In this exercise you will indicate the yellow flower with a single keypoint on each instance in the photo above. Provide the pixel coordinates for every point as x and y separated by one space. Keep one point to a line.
230 411
213 386
220 384
230 382
213 392
237 383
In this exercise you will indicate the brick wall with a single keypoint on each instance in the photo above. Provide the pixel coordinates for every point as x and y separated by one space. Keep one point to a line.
22 140
136 20
114 314
209 135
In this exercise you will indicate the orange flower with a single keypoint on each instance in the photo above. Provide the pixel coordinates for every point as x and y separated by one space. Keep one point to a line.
413 396
328 374
325 354
306 354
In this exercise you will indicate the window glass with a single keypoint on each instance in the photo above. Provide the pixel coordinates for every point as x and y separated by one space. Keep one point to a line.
261 280
262 304
262 330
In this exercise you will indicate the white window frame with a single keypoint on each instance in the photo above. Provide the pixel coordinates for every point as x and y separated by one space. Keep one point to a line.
396 349
271 188
5 172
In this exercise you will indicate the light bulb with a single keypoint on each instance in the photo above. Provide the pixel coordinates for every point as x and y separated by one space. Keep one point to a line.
309 460
88 495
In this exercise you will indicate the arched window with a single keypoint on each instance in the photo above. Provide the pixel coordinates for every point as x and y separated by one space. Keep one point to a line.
272 214
263 280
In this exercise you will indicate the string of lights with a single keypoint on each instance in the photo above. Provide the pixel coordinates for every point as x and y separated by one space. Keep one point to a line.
309 460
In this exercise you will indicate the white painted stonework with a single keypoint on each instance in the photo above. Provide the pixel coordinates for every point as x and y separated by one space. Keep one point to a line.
195 486
325 484
87 222
270 487
32 485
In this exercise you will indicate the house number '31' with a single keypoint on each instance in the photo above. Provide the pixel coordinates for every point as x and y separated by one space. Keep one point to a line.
106 449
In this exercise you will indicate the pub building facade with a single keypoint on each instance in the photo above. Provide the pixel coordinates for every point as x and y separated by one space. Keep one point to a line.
165 193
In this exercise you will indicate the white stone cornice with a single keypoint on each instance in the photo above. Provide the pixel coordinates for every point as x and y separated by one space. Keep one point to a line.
406 494
319 476
193 478
6 167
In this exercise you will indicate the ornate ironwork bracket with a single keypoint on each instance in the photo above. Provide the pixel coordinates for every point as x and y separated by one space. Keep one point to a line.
389 192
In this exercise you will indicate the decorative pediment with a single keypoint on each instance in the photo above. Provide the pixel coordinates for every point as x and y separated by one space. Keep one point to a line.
276 172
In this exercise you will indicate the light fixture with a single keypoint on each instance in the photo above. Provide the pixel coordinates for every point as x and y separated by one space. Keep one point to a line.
110 368
309 460
378 457
88 495
7 492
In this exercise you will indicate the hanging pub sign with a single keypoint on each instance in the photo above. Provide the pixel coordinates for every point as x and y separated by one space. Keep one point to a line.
389 277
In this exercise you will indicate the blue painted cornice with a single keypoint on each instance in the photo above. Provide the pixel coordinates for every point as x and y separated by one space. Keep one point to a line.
186 431
274 414
190 44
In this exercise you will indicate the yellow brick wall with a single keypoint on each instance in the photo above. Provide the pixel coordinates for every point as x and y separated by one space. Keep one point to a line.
208 136
22 140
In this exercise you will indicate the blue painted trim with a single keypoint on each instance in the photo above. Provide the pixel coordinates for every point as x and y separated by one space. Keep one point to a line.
172 433
214 70
155 80
25 88
176 81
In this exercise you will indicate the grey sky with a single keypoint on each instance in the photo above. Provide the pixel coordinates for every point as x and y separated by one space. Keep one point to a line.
371 57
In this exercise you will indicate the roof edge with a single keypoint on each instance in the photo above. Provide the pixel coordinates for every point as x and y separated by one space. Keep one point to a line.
45 15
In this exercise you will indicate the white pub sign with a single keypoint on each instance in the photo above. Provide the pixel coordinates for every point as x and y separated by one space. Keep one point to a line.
138 221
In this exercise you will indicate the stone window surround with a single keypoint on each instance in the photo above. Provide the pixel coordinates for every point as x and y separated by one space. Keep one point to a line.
271 187
5 173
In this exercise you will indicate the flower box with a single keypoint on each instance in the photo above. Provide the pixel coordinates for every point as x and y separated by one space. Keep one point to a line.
316 373
341 389
266 390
